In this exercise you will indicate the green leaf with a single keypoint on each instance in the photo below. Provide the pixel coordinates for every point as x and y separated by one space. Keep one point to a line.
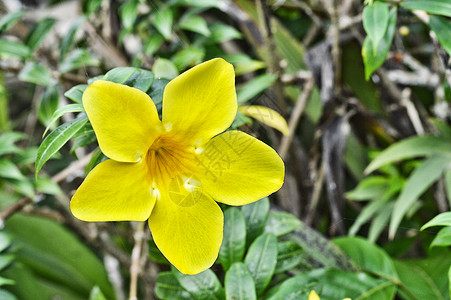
188 57
203 286
47 186
5 241
409 148
152 44
442 28
96 294
255 87
86 136
366 214
76 59
194 23
437 7
371 187
5 281
5 295
38 33
222 33
48 104
443 219
375 21
162 20
420 180
243 63
294 288
8 20
76 93
61 111
68 38
129 12
155 253
289 255
134 77
97 158
35 73
10 170
261 260
234 240
157 89
164 68
14 49
443 238
5 260
91 6
56 139
7 141
239 284
280 223
255 215
168 288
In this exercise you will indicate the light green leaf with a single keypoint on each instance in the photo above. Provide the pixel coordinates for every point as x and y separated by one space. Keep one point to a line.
437 7
5 295
63 110
380 222
203 286
9 170
221 33
239 284
91 6
194 23
164 68
261 260
375 22
420 180
255 87
35 73
47 186
162 20
442 28
76 93
443 219
280 223
365 215
14 49
7 141
289 255
129 12
5 260
443 238
243 63
409 148
188 57
5 241
96 294
234 240
255 214
8 20
134 77
48 104
77 59
38 33
372 187
68 38
56 139
168 288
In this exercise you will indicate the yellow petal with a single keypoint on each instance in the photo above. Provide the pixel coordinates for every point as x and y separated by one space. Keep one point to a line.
201 102
237 169
187 227
313 295
114 191
124 119
265 115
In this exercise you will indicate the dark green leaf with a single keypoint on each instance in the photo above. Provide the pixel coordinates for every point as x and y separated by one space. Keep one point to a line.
162 20
168 288
97 158
68 38
153 43
36 73
155 254
8 20
76 93
14 49
157 89
134 77
77 59
261 260
280 223
62 110
255 87
375 21
442 28
255 215
438 7
234 240
56 139
202 286
239 284
48 105
289 255
38 33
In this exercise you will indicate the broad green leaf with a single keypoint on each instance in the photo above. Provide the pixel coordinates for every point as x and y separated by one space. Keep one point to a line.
153 43
9 170
297 287
221 33
420 180
77 59
57 139
243 64
442 28
203 286
35 73
372 187
68 39
375 21
374 55
8 20
194 23
443 219
289 255
38 33
96 294
280 223
255 214
168 288
48 104
261 260
61 111
5 295
443 238
164 68
129 12
134 77
157 89
14 49
239 284
266 116
255 87
162 20
234 240
410 148
437 7
76 93
47 186
188 57
5 241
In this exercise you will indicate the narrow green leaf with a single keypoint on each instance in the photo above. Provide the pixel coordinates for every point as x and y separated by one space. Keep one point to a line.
437 7
97 158
255 215
255 87
76 93
442 28
375 21
261 260
162 20
77 59
203 286
164 68
68 39
365 215
234 240
14 49
380 222
5 260
134 77
96 294
8 20
38 33
7 141
56 139
129 13
289 255
409 148
61 111
5 241
443 219
47 186
194 23
48 104
371 187
442 238
280 223
9 170
239 284
35 73
420 180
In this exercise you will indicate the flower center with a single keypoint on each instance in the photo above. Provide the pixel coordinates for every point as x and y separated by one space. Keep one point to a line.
168 158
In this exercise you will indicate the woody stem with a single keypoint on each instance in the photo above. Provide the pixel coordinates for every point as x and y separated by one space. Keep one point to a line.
136 255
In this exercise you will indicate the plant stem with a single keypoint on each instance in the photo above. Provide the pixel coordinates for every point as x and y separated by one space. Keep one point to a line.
136 255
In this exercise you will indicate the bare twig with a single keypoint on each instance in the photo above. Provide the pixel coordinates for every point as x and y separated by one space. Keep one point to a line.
135 263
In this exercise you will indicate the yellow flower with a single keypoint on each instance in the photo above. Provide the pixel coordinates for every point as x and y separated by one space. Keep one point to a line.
172 171
313 295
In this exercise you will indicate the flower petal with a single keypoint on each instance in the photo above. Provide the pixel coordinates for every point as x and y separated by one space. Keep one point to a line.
124 119
187 228
201 102
237 169
114 191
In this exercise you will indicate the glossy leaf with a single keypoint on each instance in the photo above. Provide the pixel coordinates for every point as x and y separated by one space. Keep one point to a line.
289 255
375 21
168 288
438 7
239 284
261 260
279 223
255 87
203 286
442 28
76 59
35 73
442 238
60 112
255 214
38 33
443 219
134 77
76 93
234 239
